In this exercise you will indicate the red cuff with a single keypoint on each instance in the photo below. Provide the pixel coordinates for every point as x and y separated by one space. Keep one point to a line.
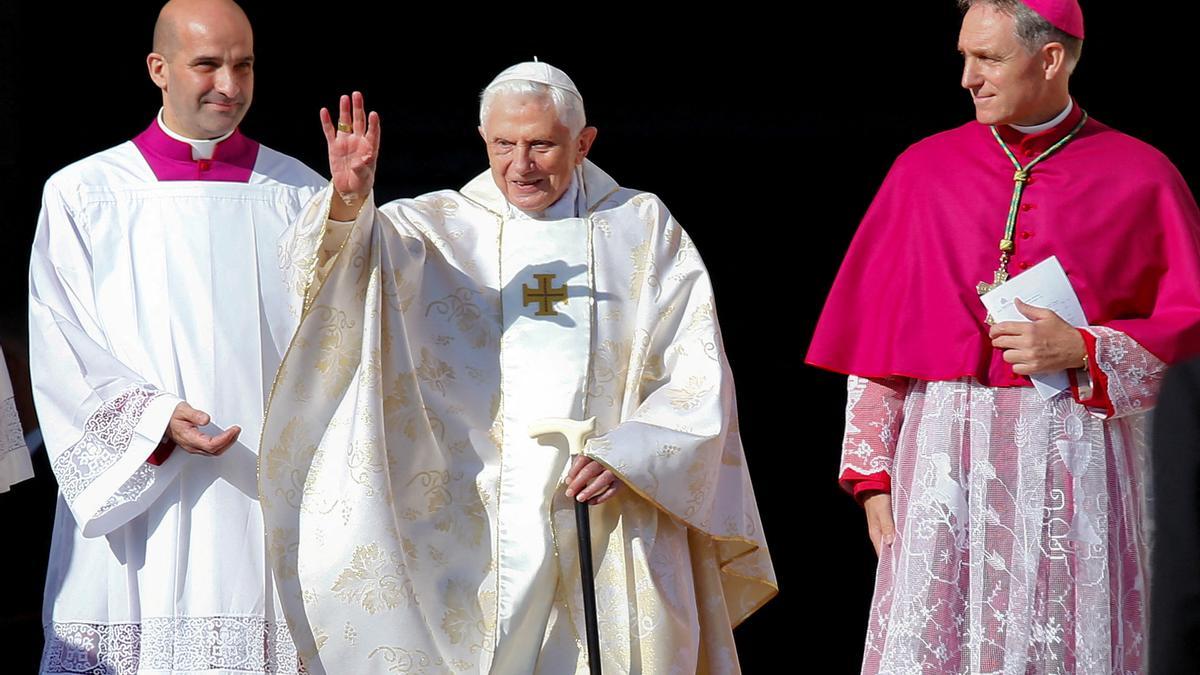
161 453
857 484
1099 397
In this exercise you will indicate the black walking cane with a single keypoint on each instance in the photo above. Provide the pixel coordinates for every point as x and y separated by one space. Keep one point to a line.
576 433
583 526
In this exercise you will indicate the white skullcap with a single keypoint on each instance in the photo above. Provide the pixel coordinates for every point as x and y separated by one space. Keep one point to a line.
536 71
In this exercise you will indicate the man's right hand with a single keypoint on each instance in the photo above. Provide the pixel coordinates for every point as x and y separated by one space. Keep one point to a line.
880 526
184 430
353 151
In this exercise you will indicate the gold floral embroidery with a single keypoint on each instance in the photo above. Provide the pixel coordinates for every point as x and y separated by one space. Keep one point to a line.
439 558
364 463
410 552
702 317
668 450
398 291
434 372
282 548
698 480
689 397
639 258
454 504
399 396
284 460
315 499
463 622
337 358
462 309
375 580
603 225
437 208
609 365
429 422
414 661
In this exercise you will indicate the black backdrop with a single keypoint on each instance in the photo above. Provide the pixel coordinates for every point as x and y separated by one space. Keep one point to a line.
765 132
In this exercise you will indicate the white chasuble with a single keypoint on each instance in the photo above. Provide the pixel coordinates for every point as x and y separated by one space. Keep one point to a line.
413 524
145 293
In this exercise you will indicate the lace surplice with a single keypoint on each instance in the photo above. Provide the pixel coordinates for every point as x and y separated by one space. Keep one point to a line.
1021 530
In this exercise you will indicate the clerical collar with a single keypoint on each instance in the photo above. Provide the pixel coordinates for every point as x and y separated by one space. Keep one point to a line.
171 158
201 148
564 207
1046 126
1027 146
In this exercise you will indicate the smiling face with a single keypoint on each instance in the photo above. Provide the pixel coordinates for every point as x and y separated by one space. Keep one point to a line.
205 68
1008 83
530 151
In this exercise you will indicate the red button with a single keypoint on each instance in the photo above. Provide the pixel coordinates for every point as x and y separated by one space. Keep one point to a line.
205 164
1029 153
1028 207
1030 181
1026 234
1024 265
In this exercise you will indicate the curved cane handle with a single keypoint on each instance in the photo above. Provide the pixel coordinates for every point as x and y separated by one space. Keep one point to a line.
575 431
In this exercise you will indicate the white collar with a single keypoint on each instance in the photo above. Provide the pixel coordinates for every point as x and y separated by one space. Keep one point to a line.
1046 126
201 149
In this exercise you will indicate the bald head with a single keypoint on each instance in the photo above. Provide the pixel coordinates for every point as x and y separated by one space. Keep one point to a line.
178 17
203 61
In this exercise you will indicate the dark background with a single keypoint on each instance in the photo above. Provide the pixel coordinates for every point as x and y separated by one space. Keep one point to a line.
765 132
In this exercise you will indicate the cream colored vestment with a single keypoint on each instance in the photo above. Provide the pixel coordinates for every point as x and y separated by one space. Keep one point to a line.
414 526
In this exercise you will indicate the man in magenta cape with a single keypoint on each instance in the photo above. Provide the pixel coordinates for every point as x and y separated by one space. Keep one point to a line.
1011 529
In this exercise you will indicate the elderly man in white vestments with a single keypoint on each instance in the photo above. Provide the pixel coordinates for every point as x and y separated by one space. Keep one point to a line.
413 524
160 307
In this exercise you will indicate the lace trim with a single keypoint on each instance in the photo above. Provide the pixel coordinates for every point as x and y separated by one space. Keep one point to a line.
869 440
12 437
245 644
131 490
1134 374
106 436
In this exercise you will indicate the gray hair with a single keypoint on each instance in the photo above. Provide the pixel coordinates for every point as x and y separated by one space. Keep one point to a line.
567 105
1032 30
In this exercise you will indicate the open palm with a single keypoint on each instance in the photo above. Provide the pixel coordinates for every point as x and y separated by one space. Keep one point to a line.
352 154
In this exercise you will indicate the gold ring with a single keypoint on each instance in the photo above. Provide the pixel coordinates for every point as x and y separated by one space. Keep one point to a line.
345 128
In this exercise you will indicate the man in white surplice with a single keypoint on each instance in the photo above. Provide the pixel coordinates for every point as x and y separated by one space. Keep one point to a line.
160 307
412 522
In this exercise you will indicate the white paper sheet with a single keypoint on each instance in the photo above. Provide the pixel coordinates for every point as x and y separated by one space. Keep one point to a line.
1043 285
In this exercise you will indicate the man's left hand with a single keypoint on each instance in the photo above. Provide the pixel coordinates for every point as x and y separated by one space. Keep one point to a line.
589 481
1045 344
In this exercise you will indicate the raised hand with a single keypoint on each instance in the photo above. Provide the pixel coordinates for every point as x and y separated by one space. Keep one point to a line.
353 151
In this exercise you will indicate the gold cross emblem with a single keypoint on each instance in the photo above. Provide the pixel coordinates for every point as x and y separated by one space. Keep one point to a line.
544 295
